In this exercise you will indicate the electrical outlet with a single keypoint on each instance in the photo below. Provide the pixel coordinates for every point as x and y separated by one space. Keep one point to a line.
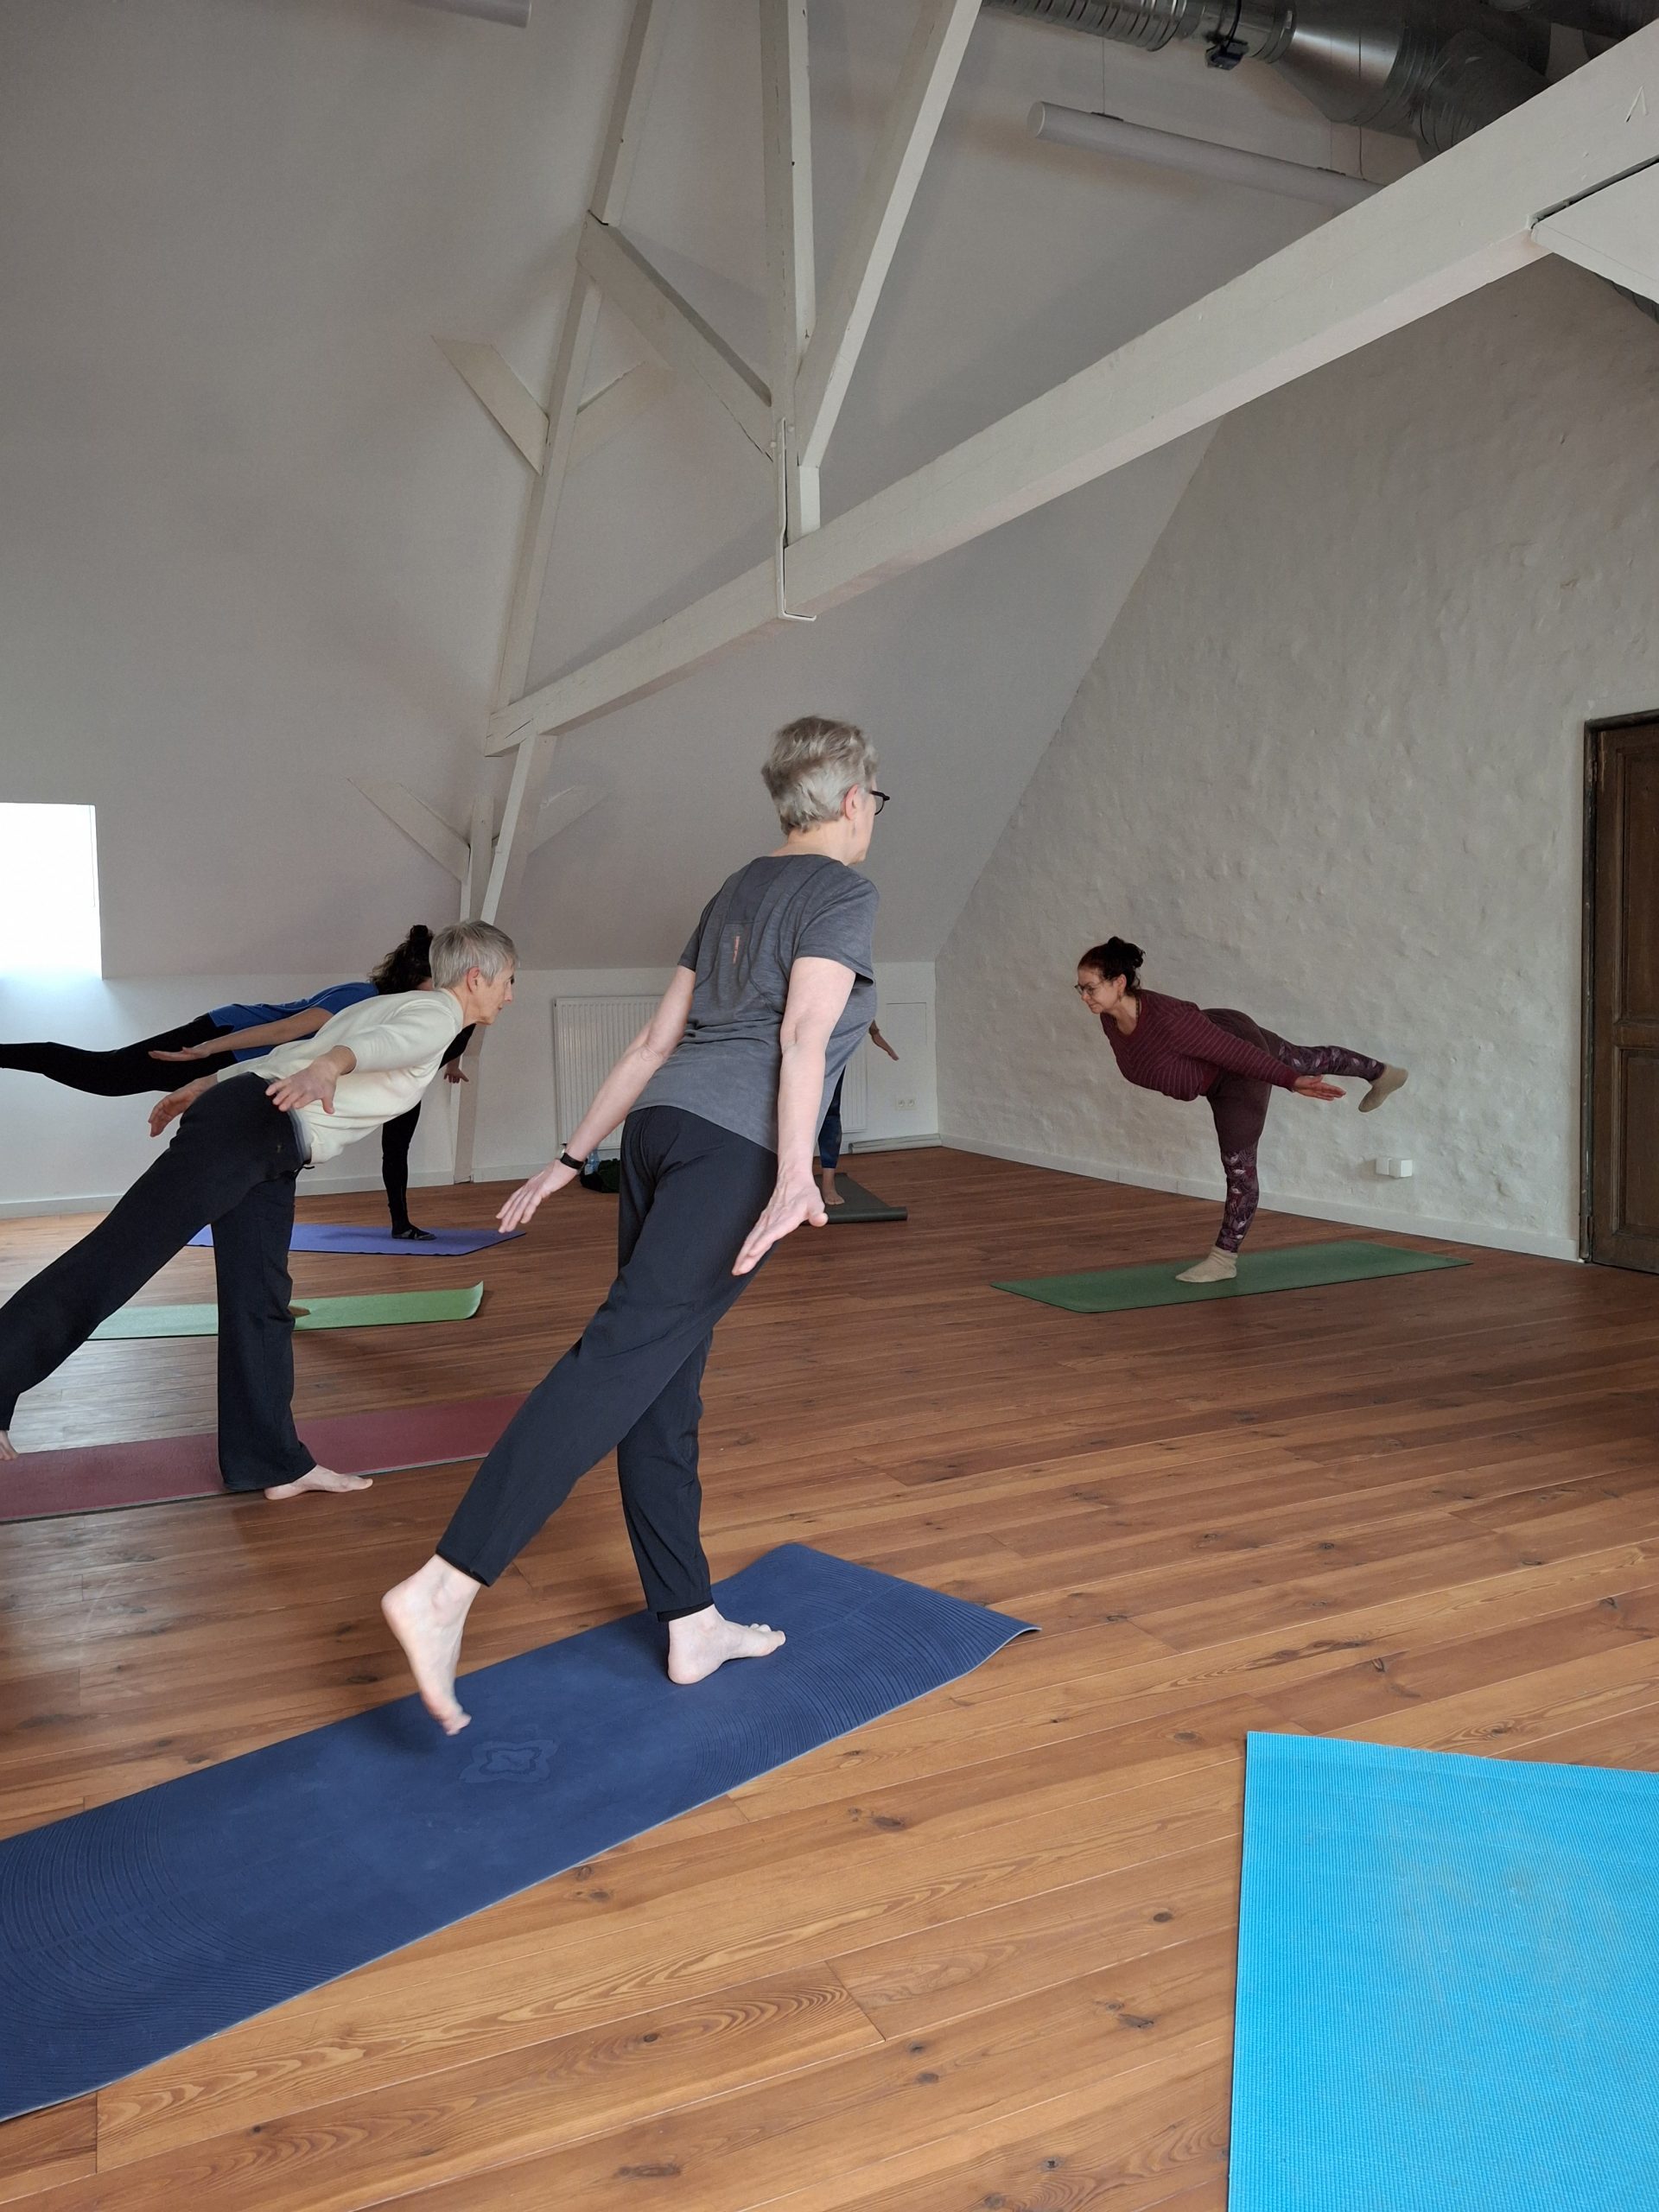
1399 1168
905 1105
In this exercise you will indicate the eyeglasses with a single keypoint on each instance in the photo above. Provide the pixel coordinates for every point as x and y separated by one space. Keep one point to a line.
1083 989
880 798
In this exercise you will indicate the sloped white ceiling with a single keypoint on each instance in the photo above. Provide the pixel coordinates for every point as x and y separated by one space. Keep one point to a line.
256 535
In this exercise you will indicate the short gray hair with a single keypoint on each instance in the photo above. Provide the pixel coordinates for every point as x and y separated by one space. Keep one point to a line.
812 766
466 946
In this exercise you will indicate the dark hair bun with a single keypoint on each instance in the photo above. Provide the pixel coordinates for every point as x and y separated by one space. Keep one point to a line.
1117 956
408 965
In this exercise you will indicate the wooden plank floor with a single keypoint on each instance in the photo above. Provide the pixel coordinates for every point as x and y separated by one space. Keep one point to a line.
980 1954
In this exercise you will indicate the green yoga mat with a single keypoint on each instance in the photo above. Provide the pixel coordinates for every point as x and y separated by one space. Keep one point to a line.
380 1310
1298 1267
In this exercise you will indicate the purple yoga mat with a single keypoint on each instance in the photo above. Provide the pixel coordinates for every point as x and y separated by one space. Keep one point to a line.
346 1236
94 1478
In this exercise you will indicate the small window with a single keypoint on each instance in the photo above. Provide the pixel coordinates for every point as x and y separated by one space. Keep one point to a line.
49 892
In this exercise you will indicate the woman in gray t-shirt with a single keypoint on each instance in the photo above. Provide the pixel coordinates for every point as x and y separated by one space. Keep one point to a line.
721 1096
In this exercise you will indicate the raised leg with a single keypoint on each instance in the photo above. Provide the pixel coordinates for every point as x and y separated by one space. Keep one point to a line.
1322 1059
126 1070
216 1156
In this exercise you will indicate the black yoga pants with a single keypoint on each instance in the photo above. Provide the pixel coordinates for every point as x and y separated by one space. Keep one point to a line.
830 1128
127 1070
395 1137
691 1194
233 1162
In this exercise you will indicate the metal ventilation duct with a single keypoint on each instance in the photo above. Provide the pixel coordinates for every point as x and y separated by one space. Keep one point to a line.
1434 70
1167 150
515 12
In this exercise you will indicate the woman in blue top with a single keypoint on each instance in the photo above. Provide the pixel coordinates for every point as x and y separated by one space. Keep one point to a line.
218 1038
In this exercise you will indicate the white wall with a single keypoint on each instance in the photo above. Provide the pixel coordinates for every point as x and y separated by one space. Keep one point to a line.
1328 767
64 1151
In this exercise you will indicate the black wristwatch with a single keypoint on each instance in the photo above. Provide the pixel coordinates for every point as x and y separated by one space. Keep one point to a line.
565 1160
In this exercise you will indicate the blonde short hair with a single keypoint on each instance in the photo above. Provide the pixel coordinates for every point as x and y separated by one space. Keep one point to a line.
812 766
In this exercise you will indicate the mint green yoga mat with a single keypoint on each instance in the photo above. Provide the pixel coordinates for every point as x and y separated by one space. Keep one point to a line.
1298 1267
377 1311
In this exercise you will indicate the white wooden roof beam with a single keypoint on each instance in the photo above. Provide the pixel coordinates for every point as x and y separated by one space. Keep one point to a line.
522 419
1445 231
1614 232
647 29
675 329
930 69
791 295
421 825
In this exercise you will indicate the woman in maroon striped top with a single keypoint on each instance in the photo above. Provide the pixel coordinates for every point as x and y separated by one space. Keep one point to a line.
1169 1044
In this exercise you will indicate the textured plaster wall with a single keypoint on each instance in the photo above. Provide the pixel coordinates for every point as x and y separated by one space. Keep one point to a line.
1328 768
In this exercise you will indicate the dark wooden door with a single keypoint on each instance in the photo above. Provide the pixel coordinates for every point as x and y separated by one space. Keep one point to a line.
1623 1010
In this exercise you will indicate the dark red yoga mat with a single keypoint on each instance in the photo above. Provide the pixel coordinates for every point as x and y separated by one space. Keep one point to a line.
96 1478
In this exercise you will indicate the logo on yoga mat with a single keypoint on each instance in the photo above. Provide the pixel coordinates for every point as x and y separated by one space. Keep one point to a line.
513 1763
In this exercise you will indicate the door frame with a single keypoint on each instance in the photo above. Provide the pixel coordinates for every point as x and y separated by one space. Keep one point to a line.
1593 736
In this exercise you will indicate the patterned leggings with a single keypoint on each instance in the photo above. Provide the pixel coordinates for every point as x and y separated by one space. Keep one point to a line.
1240 1108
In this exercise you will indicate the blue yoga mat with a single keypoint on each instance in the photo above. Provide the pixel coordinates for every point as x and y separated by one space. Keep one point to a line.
346 1236
1448 1984
129 1932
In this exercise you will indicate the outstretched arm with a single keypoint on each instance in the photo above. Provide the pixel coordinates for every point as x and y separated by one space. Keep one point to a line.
818 991
613 1099
306 1023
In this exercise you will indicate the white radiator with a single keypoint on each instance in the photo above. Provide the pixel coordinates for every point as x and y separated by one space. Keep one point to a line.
589 1037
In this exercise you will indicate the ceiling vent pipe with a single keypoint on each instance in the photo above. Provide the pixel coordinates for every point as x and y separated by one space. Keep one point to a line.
1434 70
1167 150
515 12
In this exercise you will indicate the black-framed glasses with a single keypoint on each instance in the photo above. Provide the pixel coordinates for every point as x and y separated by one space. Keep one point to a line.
880 798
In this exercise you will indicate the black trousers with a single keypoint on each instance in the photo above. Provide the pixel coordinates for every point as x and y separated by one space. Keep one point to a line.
396 1138
233 1162
830 1128
128 1069
691 1194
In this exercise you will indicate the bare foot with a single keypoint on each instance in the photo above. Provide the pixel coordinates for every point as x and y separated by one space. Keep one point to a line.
703 1642
832 1196
321 1478
7 1449
427 1615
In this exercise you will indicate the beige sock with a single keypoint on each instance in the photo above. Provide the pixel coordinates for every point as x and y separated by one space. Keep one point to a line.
1215 1266
1385 1086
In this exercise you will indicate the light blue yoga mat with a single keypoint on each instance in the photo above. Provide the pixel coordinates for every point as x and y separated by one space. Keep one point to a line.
1448 1984
134 1930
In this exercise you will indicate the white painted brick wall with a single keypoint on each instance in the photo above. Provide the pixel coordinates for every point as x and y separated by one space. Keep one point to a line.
1328 768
